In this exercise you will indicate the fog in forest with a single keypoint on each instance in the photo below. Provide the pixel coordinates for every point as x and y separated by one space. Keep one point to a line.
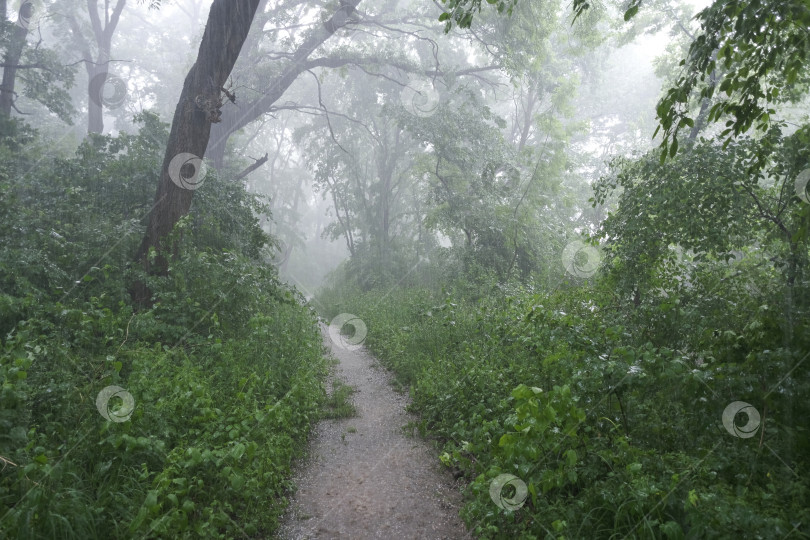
345 174
573 233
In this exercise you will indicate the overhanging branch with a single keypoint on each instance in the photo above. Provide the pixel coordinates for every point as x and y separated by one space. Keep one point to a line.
259 162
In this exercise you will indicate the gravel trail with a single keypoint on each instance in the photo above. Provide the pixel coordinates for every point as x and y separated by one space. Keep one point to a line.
364 476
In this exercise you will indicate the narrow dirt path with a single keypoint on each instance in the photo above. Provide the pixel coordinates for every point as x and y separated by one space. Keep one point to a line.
372 481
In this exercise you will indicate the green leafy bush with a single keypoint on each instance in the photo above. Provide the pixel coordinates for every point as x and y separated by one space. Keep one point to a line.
609 415
225 371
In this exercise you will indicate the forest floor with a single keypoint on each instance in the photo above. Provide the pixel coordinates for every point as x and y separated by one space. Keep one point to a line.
364 476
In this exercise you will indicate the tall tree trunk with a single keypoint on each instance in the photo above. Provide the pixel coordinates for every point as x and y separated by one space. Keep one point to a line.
97 69
97 78
227 27
235 118
385 171
12 57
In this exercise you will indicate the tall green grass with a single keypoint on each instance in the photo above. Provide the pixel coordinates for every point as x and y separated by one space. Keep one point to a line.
603 412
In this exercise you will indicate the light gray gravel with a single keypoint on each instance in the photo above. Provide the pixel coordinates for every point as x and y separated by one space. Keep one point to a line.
378 482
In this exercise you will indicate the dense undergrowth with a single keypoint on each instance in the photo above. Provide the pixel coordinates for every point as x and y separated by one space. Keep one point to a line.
225 370
608 406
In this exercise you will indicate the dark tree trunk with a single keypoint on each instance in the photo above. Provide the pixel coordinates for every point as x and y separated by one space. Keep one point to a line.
220 133
97 78
235 118
703 114
12 59
227 27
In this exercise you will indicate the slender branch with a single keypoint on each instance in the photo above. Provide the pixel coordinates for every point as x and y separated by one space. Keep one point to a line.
251 168
325 111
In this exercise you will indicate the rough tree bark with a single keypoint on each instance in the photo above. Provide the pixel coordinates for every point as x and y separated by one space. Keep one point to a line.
12 57
227 27
235 118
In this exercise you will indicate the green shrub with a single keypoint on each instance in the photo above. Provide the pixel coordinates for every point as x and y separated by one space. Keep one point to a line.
225 371
610 415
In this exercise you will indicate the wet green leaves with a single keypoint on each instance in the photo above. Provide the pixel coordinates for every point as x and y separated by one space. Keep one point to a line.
754 54
460 12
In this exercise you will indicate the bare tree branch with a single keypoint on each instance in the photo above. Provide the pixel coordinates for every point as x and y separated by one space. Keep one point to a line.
259 162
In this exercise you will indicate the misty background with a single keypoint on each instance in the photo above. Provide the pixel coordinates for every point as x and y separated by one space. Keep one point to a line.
572 96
